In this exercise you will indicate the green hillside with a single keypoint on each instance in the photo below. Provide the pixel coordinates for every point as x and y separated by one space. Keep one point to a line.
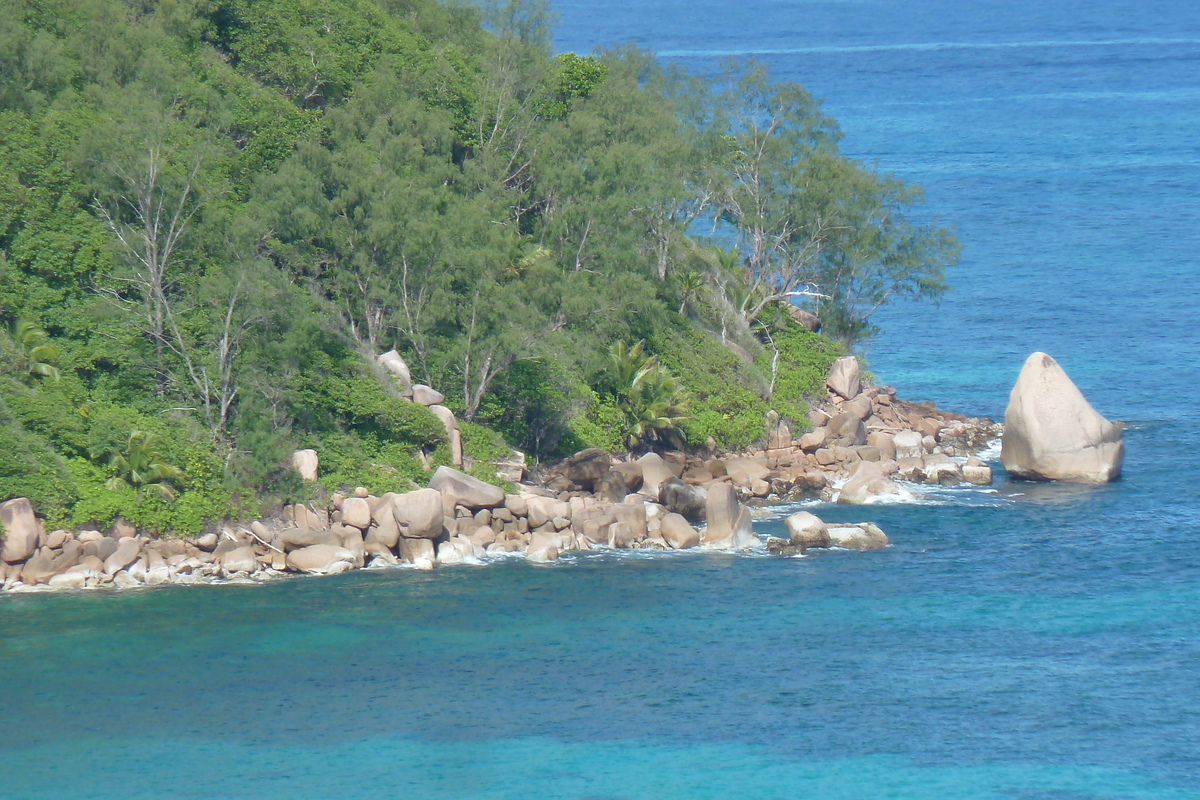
216 214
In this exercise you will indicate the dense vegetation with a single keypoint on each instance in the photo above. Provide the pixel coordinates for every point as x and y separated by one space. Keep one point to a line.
215 214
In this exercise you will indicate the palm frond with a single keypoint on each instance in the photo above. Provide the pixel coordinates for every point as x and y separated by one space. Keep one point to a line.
143 467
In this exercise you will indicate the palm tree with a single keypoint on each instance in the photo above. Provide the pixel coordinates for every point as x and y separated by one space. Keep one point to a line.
36 348
691 285
650 399
653 412
523 255
627 364
143 467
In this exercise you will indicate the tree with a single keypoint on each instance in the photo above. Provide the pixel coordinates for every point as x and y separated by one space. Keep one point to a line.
691 285
142 467
608 176
782 168
149 208
362 216
38 352
527 21
810 222
232 304
879 256
650 399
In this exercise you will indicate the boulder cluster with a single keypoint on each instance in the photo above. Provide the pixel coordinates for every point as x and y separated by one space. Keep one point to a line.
862 441
457 519
395 367
867 439
807 531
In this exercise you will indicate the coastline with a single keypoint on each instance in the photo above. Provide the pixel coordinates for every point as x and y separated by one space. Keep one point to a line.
864 444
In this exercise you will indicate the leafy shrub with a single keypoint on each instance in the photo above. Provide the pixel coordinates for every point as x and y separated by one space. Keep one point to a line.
46 410
487 473
483 444
109 427
351 459
530 402
599 426
30 468
338 395
722 404
807 356
203 498
804 361
400 420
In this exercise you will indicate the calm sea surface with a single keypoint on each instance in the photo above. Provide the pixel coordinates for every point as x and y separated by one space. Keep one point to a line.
1037 643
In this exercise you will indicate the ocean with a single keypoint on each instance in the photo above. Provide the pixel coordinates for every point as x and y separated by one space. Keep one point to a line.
1031 642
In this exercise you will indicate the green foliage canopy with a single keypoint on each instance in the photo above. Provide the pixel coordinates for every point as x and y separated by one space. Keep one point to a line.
216 214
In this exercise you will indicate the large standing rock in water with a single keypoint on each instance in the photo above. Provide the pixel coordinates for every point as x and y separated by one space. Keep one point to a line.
806 530
729 524
1051 432
861 536
845 377
678 532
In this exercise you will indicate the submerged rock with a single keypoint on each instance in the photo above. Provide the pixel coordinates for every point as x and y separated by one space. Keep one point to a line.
979 475
418 552
1051 431
863 536
542 547
865 489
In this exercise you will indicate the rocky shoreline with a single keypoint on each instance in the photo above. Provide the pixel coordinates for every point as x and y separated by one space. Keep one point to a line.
864 442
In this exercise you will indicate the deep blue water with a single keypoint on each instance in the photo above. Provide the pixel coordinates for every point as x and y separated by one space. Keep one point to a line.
1039 643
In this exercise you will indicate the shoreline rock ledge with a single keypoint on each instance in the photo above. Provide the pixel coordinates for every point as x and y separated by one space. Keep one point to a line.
1052 433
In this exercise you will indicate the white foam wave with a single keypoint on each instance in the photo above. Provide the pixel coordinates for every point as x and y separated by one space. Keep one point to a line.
991 453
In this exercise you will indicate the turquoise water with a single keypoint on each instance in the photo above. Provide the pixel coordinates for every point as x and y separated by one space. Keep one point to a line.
1038 642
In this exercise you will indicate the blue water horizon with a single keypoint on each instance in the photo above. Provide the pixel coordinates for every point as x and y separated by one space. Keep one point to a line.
1028 642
